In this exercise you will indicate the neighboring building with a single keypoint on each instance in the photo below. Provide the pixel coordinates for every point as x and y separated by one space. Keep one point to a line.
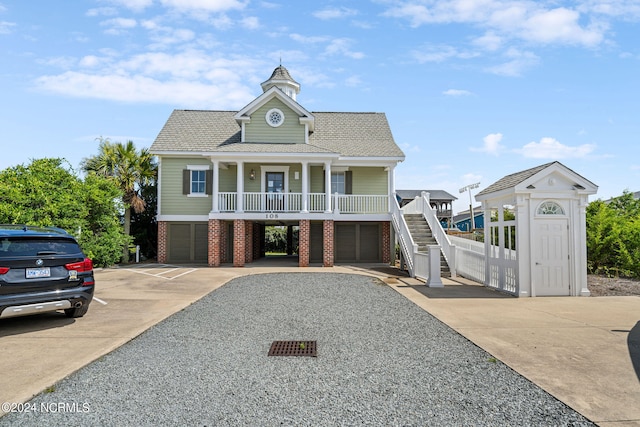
225 175
462 221
440 201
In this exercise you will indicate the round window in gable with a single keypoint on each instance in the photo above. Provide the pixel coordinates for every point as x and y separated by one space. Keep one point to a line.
550 208
274 117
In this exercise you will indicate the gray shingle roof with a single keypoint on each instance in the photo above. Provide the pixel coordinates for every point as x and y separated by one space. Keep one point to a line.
514 179
347 134
433 194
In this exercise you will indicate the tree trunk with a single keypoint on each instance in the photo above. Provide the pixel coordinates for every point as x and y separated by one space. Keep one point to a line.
127 231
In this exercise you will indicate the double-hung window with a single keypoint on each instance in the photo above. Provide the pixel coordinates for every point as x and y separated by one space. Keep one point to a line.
337 183
198 182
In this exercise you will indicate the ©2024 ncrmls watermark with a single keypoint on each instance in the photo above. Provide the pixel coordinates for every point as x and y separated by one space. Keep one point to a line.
46 407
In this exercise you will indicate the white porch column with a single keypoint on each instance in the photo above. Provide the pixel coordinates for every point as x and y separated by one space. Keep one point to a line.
327 186
391 176
240 188
305 187
216 174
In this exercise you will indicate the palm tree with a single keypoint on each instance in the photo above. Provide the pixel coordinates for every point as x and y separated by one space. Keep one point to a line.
130 169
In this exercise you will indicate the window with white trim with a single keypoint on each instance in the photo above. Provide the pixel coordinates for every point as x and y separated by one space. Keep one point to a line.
198 182
337 183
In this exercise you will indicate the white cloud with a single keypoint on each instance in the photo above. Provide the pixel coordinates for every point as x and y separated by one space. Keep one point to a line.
456 92
89 61
334 13
203 5
138 88
192 79
440 53
489 41
308 39
491 144
102 11
118 25
250 23
408 148
560 25
353 81
550 148
342 46
531 21
135 5
625 9
517 62
6 27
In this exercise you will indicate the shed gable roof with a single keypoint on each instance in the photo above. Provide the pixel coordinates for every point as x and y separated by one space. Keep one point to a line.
520 180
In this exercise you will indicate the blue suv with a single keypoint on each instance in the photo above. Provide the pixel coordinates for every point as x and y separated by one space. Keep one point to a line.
43 269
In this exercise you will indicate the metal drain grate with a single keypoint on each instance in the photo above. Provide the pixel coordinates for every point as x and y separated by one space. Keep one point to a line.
293 348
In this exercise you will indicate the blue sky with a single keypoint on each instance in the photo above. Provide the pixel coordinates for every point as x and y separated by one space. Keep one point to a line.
473 89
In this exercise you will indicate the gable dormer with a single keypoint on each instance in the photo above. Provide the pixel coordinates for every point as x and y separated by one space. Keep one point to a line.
275 116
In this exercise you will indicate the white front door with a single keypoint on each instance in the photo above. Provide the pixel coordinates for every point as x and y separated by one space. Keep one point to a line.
551 257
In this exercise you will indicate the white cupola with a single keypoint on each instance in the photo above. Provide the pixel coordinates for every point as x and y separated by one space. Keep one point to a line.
281 79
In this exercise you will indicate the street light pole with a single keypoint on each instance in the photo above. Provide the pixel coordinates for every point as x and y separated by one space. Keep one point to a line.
469 188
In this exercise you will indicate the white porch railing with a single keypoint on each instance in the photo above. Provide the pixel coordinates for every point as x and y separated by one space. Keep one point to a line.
227 202
348 203
272 202
470 258
407 247
471 262
292 202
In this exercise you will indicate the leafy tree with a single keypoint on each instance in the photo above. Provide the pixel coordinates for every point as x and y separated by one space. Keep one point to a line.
130 169
47 192
613 236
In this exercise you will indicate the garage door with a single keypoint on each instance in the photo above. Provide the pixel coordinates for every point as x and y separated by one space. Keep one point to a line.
358 242
187 242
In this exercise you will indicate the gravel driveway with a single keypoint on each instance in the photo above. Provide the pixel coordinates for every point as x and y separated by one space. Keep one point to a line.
381 361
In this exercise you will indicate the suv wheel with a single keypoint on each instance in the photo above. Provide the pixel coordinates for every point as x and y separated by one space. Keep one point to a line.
77 312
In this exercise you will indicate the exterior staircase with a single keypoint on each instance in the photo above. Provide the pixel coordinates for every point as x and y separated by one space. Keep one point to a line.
422 236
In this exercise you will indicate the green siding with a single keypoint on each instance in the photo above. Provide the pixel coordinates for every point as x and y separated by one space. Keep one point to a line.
291 131
369 180
227 179
317 179
173 202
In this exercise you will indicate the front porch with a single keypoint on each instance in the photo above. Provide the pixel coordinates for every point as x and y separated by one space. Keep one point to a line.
266 202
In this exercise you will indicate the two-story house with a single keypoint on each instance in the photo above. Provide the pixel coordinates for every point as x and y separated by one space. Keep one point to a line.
226 175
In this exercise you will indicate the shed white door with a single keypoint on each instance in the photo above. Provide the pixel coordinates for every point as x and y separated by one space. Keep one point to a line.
551 258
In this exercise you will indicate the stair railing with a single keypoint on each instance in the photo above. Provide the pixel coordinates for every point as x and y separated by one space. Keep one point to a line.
448 249
407 245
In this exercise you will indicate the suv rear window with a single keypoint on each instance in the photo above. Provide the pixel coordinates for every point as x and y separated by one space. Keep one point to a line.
13 247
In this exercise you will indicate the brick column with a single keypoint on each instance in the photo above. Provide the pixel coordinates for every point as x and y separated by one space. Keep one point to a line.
327 240
163 229
248 241
214 243
386 242
225 256
238 243
304 234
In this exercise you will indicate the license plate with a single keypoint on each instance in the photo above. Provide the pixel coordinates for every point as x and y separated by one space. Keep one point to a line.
36 273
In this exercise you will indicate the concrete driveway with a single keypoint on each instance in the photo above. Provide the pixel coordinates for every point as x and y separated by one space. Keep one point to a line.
581 350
